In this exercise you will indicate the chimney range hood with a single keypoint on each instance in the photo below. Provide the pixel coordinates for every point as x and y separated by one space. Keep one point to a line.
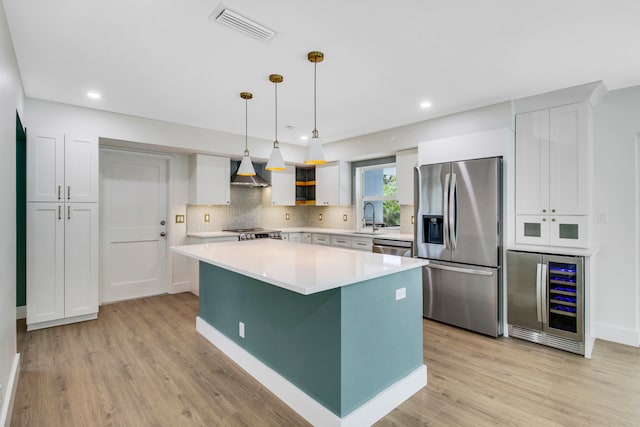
249 181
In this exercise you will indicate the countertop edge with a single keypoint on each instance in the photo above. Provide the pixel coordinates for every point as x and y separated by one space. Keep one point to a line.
301 290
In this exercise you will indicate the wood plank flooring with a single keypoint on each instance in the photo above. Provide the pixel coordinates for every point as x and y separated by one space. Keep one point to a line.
143 364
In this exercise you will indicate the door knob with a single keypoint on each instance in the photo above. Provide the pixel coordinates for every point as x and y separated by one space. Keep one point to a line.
162 222
162 234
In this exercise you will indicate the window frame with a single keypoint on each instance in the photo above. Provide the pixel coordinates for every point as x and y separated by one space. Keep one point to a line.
361 199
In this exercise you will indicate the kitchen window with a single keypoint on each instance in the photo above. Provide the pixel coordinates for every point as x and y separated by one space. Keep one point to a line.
376 200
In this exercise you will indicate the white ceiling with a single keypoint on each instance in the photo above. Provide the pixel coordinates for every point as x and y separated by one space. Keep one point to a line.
166 60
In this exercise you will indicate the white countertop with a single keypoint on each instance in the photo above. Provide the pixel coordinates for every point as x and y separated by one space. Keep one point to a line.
207 234
382 234
298 267
554 250
394 235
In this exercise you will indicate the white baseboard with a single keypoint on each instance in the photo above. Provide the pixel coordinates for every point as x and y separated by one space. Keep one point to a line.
9 393
180 287
302 403
613 333
21 312
60 322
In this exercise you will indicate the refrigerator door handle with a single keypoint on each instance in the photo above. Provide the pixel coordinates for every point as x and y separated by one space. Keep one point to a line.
543 294
417 223
445 205
459 269
538 291
453 214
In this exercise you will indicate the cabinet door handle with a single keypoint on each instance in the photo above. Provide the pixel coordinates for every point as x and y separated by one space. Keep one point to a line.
544 211
69 192
69 213
553 211
59 212
59 188
553 220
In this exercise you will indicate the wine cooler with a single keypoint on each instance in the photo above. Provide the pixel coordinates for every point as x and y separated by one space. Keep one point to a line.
546 299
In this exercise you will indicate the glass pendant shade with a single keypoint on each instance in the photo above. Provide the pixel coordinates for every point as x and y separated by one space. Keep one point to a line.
246 166
315 153
275 162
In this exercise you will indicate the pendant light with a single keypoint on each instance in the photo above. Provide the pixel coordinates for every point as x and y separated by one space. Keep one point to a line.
315 153
246 166
275 162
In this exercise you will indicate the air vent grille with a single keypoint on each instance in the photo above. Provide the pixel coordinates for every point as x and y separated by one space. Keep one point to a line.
241 23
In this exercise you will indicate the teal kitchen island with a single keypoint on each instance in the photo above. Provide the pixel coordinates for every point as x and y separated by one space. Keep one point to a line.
335 333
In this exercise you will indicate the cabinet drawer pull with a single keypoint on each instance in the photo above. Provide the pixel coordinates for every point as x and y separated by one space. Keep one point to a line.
69 213
69 192
59 188
59 212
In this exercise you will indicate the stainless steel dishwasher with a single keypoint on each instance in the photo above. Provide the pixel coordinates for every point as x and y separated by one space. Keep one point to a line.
393 247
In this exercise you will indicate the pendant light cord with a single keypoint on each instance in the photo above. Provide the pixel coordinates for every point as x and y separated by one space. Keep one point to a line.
315 67
246 124
276 124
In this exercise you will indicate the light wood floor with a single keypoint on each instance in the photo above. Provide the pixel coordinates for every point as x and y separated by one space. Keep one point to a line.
143 364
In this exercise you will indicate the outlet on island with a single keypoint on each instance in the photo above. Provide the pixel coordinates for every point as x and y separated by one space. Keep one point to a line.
241 329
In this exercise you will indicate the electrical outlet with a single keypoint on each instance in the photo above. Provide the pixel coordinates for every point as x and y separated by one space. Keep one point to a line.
241 329
401 293
179 219
412 220
287 217
344 217
319 217
207 218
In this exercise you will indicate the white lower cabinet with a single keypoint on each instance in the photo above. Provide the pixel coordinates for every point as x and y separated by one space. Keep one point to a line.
62 263
362 244
295 237
341 241
306 238
321 239
568 231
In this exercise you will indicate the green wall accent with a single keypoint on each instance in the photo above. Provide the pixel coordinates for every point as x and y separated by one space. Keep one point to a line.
341 347
381 337
21 214
293 334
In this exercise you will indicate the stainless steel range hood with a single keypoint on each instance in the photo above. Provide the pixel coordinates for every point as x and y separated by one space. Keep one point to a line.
249 181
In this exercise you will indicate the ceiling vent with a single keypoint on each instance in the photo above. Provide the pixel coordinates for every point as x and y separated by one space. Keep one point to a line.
242 23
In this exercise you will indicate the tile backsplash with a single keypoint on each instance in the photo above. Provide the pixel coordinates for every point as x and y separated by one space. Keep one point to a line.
246 210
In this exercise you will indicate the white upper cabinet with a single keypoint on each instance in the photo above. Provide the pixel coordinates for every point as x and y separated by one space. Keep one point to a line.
210 179
333 184
283 187
569 160
532 163
406 161
61 168
552 161
81 175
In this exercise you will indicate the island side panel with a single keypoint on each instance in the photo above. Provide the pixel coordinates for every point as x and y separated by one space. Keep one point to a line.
296 335
381 337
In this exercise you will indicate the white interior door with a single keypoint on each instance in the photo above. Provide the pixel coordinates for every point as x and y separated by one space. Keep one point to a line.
133 215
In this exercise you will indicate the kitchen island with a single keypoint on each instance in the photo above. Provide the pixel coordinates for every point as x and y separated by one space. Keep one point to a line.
335 333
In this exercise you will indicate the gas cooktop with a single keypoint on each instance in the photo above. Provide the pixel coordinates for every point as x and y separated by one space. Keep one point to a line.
255 233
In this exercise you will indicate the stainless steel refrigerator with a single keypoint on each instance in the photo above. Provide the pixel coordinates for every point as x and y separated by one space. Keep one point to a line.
458 228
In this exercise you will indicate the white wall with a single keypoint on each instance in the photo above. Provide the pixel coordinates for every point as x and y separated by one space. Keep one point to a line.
11 99
616 150
387 142
149 134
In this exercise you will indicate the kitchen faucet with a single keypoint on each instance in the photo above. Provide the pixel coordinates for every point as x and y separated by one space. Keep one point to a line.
373 216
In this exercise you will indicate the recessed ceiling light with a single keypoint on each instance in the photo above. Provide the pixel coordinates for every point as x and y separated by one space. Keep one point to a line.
425 104
94 95
304 137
